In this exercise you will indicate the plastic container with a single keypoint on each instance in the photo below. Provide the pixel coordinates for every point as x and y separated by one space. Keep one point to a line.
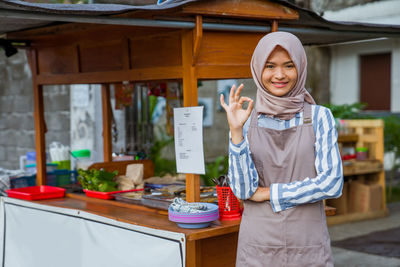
229 207
63 164
81 159
28 159
61 177
31 168
361 153
36 192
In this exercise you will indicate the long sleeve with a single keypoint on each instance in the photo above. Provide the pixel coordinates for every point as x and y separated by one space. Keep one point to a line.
242 174
329 180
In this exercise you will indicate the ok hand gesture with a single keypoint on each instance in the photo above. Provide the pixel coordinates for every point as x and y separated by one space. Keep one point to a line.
237 116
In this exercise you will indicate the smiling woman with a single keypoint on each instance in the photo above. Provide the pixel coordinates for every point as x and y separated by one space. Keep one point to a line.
283 160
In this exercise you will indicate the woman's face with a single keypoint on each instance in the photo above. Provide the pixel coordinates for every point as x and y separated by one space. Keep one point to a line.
280 74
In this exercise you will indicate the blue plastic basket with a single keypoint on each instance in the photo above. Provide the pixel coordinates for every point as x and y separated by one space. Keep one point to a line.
23 181
61 177
54 178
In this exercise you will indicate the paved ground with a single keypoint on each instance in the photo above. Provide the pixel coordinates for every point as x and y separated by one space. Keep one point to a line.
350 258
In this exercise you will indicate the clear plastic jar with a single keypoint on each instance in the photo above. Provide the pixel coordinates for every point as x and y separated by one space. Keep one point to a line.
82 159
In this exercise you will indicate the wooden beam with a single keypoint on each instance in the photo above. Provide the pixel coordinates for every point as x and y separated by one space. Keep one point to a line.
38 116
274 26
223 72
126 54
144 74
189 71
190 99
198 36
260 9
106 108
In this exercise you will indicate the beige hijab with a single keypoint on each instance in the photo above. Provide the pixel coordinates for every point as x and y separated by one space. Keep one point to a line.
284 107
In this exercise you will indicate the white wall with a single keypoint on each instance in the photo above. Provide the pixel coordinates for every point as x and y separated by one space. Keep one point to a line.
345 78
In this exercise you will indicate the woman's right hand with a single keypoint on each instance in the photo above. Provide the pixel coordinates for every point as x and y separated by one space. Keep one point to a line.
237 116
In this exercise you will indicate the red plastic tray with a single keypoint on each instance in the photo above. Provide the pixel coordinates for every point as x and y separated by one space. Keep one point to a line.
106 195
36 192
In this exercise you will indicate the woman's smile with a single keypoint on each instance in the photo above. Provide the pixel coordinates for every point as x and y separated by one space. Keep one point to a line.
279 84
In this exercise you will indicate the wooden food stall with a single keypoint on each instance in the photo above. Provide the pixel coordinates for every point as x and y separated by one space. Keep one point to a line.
186 41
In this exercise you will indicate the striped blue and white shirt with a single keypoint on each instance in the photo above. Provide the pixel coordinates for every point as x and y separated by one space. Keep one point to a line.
243 177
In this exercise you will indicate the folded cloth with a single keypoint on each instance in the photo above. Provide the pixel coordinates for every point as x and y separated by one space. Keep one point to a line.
4 184
5 176
180 205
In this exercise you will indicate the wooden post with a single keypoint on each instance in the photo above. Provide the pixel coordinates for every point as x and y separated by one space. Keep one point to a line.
190 99
193 253
198 36
38 116
106 109
274 26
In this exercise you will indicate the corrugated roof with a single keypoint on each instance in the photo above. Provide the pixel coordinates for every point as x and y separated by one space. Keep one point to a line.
311 28
381 12
15 14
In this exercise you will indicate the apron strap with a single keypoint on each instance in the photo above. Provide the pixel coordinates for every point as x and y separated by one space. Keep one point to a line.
307 113
253 118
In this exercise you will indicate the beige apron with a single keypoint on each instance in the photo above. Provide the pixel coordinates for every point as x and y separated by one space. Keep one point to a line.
294 237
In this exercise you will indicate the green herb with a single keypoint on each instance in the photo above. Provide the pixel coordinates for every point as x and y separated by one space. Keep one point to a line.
97 180
392 144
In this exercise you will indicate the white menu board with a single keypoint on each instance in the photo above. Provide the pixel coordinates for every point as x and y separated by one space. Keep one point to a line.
188 128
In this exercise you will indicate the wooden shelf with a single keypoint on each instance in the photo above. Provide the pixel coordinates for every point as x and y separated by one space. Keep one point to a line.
354 217
362 167
348 138
368 134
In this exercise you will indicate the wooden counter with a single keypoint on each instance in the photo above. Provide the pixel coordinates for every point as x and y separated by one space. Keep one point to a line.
211 246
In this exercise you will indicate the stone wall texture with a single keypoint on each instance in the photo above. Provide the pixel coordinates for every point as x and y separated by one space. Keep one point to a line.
17 135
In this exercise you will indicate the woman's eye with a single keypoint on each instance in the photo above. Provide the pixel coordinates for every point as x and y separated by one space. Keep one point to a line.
290 66
269 66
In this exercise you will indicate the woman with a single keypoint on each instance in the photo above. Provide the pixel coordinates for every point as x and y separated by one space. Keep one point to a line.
283 161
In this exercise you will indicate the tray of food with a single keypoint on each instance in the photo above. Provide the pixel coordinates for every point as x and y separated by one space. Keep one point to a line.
102 184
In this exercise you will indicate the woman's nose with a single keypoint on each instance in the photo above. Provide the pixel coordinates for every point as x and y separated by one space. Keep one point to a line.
280 73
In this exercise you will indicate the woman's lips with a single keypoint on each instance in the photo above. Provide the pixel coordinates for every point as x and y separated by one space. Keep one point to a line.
279 84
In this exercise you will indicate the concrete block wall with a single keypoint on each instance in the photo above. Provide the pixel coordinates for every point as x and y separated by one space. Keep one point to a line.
17 135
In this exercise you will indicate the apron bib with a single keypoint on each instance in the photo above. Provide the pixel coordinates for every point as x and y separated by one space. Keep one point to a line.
294 237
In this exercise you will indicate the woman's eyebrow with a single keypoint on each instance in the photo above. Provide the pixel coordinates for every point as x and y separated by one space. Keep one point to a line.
287 62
